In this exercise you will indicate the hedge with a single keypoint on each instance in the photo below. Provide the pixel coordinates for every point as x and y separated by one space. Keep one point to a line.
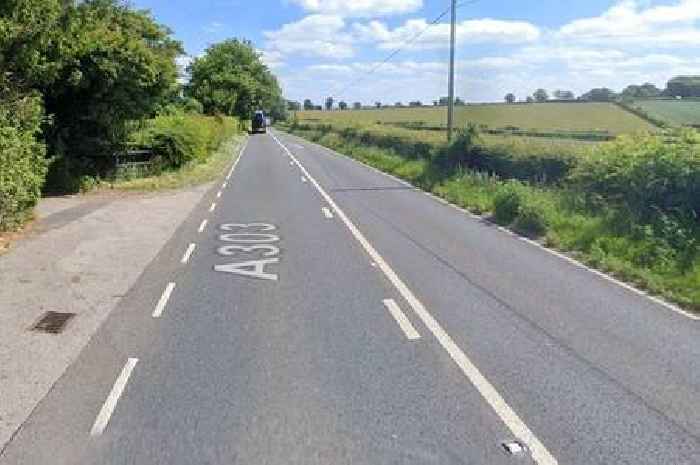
22 159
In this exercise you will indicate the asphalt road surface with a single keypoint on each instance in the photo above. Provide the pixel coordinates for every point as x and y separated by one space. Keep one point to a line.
315 311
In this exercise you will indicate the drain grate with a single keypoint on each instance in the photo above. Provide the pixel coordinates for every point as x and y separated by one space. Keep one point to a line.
53 322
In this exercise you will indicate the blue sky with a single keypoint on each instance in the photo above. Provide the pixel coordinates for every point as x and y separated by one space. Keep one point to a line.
326 47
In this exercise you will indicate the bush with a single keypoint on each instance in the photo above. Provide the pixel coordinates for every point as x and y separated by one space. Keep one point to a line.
643 175
507 203
531 220
178 139
22 158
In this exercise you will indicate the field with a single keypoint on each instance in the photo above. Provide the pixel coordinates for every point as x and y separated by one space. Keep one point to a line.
594 117
674 112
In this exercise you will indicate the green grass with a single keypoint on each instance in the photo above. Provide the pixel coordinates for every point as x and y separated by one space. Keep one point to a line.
536 116
191 174
597 237
674 112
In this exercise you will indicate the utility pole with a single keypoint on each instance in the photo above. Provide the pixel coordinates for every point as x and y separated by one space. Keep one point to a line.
451 85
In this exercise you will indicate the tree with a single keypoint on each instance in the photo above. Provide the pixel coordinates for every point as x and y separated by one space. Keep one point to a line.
540 95
564 95
510 98
529 99
443 101
308 104
329 103
683 86
378 104
342 105
459 102
398 104
602 94
293 105
98 64
357 105
646 90
436 103
231 79
415 103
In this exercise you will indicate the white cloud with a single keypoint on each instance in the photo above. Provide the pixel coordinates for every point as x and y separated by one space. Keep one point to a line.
360 8
628 22
273 59
437 36
314 35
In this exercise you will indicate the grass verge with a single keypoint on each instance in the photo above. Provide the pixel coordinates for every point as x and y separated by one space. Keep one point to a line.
191 174
602 238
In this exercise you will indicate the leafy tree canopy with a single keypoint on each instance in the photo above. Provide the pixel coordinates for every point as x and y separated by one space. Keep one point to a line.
231 79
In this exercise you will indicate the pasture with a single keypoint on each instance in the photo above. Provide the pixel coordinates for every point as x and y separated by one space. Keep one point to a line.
673 112
593 117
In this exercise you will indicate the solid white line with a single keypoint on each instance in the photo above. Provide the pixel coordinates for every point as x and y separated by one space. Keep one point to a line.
511 419
163 300
401 319
111 403
202 226
658 300
218 195
327 213
213 206
303 179
188 253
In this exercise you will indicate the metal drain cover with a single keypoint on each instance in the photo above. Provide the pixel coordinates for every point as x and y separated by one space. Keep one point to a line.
53 322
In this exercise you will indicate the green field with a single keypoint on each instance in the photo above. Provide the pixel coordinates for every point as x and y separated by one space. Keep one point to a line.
674 112
536 116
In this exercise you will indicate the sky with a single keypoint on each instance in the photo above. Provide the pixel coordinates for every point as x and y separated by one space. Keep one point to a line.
321 48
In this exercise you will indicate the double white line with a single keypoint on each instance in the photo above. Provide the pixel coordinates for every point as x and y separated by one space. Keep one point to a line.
511 419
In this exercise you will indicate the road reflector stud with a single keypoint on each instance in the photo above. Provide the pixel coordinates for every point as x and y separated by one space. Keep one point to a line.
515 448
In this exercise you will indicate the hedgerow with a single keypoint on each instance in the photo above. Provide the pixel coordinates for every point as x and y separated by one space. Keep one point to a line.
22 158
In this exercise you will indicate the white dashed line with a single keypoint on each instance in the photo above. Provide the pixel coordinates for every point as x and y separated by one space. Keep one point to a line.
401 319
218 195
111 403
163 300
202 226
303 179
327 213
213 207
224 185
511 419
188 253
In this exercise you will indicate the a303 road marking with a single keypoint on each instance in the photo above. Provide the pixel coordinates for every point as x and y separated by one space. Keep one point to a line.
253 241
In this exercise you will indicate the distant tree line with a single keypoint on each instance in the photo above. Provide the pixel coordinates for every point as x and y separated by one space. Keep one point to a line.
680 86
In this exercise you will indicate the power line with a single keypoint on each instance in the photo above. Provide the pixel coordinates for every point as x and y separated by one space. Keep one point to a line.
409 42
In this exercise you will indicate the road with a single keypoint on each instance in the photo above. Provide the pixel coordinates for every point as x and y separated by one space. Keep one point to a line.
314 311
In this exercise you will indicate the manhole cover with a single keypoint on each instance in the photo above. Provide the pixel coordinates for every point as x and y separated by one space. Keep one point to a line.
53 322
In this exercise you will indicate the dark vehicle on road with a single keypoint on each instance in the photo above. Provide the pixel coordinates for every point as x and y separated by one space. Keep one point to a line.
259 122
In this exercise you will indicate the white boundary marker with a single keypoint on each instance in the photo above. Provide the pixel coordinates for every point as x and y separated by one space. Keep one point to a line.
160 307
327 212
188 253
511 419
404 323
658 300
203 226
111 402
